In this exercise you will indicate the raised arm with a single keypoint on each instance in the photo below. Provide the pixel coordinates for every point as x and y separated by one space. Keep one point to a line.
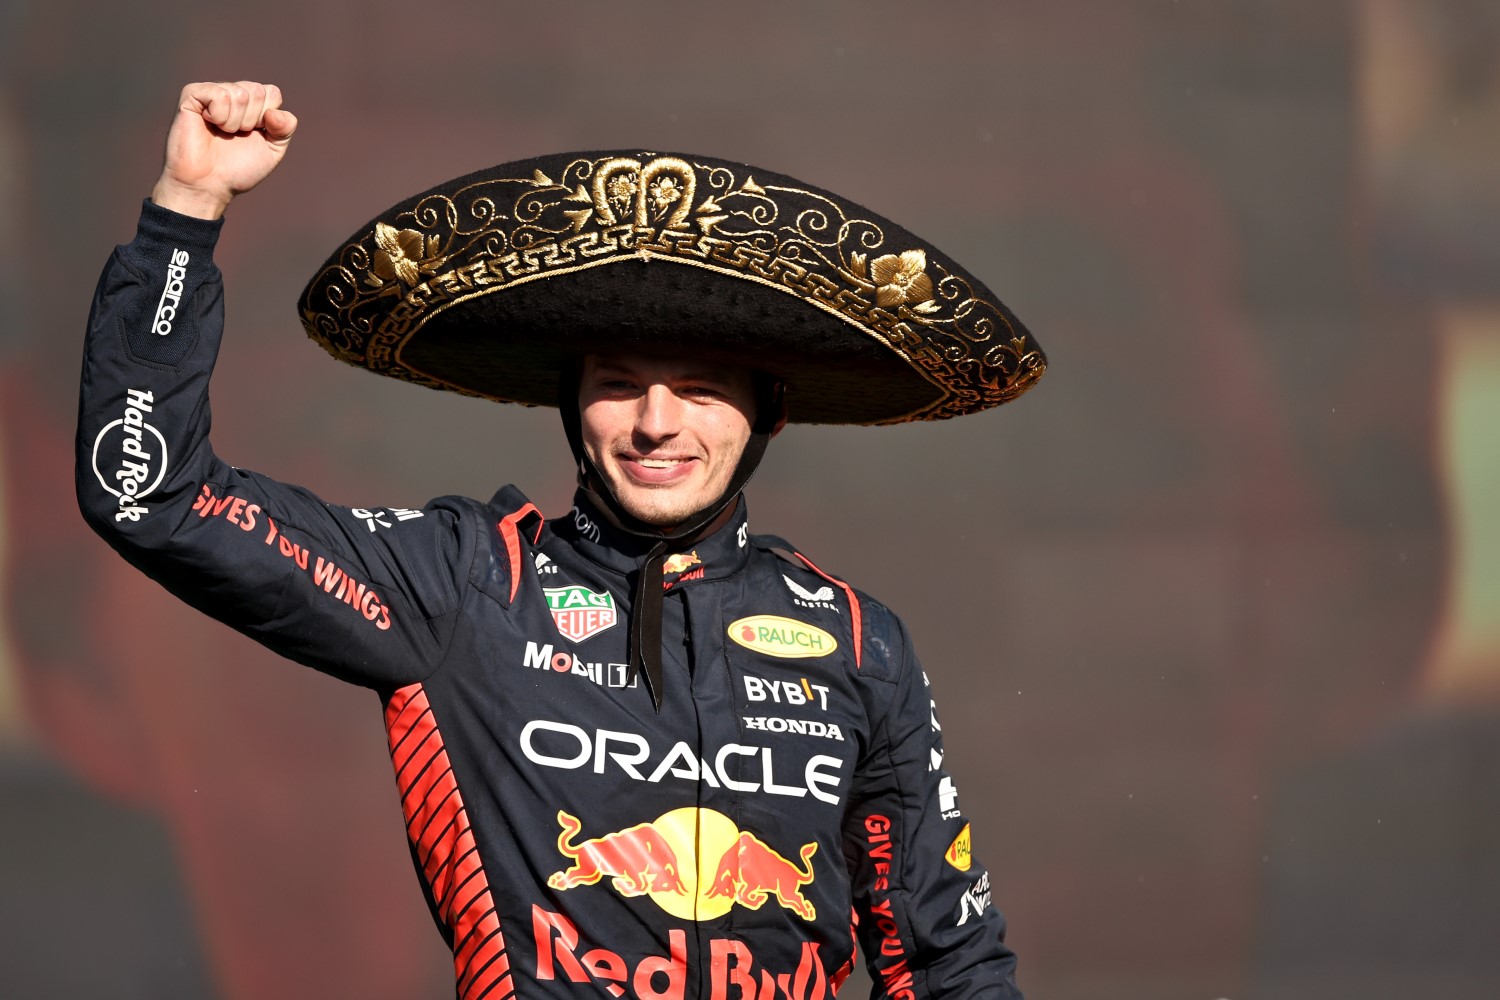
225 139
366 595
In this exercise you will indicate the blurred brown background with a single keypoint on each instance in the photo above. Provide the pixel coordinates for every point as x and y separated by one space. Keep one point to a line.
1213 615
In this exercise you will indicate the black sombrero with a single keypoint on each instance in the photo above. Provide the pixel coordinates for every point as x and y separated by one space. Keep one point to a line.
491 283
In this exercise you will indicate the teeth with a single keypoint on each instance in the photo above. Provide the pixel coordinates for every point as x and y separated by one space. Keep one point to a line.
661 463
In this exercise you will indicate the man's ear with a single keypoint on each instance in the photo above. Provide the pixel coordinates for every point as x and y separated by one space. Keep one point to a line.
772 398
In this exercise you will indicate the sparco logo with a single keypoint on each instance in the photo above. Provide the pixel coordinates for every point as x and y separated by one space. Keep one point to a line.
130 456
171 295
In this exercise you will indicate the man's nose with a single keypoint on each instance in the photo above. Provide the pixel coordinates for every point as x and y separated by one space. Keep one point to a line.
660 414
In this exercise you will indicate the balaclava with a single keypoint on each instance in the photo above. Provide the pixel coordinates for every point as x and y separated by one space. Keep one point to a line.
646 603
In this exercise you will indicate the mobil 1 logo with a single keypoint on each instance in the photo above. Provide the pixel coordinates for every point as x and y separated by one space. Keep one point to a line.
130 456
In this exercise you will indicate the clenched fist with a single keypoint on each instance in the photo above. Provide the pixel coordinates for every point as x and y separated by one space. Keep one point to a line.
226 138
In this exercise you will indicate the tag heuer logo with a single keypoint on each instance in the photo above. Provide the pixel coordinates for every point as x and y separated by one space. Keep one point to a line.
579 612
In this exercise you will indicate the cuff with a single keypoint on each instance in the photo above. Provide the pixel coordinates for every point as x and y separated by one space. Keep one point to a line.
162 225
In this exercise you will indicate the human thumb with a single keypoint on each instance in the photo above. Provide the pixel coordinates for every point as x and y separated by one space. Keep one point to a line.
278 124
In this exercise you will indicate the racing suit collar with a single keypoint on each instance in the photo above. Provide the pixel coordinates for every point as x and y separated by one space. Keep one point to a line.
719 554
645 560
604 510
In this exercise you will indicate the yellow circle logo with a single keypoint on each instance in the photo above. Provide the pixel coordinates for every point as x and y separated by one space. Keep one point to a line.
656 859
959 853
783 637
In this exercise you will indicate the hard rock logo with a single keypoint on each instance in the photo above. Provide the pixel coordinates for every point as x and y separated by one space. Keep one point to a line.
656 859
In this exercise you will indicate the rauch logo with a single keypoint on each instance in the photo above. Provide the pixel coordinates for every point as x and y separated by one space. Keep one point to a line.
783 637
579 611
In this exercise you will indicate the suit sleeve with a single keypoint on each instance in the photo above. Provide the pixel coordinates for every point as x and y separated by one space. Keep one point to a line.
922 902
365 594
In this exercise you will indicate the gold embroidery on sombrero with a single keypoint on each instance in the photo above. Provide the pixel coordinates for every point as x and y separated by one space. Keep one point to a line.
502 232
900 280
402 254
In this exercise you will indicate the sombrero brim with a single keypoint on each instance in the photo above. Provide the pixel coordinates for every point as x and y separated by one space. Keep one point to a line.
489 284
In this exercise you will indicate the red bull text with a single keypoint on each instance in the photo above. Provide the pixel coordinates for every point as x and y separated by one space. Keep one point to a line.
734 972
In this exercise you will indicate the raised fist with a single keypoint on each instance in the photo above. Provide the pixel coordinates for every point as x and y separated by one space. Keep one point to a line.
226 138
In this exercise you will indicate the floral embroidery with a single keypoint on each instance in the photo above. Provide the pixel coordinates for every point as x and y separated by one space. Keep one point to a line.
901 280
402 254
664 191
504 231
622 188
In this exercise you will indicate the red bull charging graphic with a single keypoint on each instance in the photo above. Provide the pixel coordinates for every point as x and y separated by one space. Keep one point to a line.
657 859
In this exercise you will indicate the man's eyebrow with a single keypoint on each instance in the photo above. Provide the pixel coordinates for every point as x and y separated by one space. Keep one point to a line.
709 374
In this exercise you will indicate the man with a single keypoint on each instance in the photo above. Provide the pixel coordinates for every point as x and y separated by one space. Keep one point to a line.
637 749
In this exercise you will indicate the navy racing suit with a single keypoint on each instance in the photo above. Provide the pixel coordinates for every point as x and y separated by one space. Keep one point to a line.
788 800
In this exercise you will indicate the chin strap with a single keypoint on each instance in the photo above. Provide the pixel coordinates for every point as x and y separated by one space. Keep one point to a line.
645 624
646 599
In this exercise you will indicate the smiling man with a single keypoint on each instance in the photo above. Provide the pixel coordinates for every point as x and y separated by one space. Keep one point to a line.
638 748
665 435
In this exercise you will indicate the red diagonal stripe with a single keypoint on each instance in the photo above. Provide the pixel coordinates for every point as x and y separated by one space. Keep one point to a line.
468 884
400 700
430 789
487 964
419 749
511 537
474 926
441 848
437 867
466 894
854 611
438 828
503 988
435 826
405 707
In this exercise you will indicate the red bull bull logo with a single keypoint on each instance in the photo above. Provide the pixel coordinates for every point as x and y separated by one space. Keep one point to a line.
751 873
680 561
638 860
657 859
